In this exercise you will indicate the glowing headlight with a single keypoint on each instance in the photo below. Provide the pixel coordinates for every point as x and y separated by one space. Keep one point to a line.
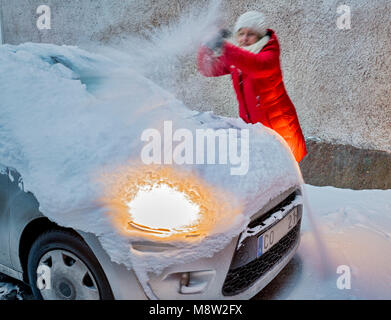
162 208
162 203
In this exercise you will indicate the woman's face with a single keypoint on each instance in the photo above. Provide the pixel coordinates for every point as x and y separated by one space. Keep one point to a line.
246 37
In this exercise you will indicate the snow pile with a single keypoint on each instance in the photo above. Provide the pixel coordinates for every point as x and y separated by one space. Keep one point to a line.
68 116
355 228
7 289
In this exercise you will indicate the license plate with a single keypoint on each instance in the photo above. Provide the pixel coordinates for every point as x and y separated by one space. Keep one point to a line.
269 238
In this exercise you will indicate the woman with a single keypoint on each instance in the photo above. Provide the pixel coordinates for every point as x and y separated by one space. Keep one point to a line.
254 64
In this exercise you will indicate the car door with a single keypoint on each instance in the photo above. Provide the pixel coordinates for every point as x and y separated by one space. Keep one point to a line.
4 217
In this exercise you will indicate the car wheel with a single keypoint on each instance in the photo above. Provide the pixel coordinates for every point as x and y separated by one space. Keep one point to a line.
62 267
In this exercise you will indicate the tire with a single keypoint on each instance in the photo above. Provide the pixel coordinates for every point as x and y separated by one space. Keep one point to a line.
68 269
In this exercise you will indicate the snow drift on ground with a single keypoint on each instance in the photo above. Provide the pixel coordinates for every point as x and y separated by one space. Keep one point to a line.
355 228
7 289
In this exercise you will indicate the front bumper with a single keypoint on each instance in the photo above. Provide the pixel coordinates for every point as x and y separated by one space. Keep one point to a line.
230 273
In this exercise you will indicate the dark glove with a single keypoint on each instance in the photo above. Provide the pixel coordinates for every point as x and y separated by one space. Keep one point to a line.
217 42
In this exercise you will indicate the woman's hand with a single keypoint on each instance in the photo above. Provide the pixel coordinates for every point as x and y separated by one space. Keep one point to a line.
217 41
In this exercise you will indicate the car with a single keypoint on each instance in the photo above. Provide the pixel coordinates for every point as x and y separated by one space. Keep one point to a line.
81 269
64 255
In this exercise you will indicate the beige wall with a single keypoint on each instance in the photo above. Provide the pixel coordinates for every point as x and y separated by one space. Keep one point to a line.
339 80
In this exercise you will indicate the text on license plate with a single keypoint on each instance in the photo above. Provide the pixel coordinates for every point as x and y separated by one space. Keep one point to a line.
269 238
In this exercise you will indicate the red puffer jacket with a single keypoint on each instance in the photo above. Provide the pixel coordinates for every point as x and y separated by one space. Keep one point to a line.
257 80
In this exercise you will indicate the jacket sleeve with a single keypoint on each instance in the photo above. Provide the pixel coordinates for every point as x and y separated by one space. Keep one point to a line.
209 65
257 65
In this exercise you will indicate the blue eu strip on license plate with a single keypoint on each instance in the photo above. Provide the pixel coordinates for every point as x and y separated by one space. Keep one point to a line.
260 246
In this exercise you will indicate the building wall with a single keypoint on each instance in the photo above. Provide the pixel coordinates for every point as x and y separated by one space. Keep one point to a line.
339 80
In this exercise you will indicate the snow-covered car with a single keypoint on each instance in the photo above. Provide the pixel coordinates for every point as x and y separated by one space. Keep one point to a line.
79 268
68 157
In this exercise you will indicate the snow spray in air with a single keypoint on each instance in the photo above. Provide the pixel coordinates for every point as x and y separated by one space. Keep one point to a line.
324 257
166 53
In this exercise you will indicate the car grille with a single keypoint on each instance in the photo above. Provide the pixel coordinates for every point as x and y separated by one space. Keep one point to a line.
279 207
239 279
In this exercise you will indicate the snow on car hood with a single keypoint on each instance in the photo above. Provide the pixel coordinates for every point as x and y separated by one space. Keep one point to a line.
68 116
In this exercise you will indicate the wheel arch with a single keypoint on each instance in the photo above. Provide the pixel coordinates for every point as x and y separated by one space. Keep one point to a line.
123 282
30 233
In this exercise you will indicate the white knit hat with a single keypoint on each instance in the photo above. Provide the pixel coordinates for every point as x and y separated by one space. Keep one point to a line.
254 20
